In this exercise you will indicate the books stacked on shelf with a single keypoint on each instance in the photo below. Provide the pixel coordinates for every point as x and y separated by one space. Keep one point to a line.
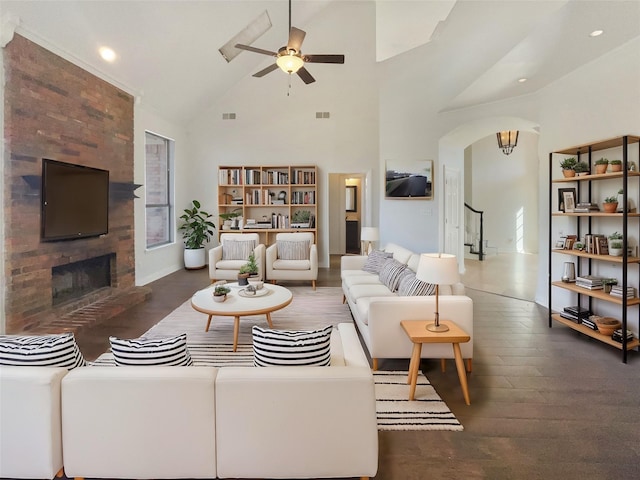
590 282
617 335
586 207
616 291
575 313
262 225
587 322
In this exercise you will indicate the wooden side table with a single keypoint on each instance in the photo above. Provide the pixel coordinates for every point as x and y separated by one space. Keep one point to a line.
418 334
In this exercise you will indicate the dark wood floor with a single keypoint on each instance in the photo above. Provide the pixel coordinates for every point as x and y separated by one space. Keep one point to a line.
545 403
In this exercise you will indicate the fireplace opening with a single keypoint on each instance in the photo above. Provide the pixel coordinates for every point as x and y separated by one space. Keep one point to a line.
75 280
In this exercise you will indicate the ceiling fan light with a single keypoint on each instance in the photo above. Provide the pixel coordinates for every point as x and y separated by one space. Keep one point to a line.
290 63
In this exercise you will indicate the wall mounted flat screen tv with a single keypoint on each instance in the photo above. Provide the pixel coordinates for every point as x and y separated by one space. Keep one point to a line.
75 201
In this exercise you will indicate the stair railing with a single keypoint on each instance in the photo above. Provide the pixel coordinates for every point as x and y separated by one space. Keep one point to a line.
477 232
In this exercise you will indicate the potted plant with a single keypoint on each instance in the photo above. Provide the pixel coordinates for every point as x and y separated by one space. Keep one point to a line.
230 219
601 165
196 230
581 168
610 204
621 200
615 244
608 283
616 165
248 269
220 293
567 165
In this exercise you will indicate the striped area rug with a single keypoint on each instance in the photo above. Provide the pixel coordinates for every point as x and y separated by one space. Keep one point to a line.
308 310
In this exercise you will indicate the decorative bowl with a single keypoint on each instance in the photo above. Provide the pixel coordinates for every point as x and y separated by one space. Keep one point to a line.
254 282
607 325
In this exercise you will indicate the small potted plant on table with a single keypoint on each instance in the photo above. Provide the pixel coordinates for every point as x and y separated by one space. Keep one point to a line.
220 293
567 165
610 204
248 269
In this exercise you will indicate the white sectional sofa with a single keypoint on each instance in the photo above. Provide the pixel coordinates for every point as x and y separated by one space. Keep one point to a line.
196 422
30 422
378 311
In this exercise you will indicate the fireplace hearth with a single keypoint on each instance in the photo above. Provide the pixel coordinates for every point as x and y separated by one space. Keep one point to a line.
75 280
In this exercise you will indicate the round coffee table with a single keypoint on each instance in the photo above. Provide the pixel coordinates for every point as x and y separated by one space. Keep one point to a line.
237 305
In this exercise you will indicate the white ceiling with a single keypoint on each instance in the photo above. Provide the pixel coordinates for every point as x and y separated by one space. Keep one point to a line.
165 47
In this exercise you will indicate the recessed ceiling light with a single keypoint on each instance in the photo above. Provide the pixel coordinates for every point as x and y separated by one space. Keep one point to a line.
522 80
596 33
107 54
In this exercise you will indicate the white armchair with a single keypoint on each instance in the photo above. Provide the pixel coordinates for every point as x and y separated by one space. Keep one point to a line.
294 256
233 252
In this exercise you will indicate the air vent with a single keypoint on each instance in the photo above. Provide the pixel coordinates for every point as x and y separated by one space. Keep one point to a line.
228 116
322 115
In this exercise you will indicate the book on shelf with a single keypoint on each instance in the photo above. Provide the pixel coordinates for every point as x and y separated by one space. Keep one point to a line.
578 311
616 291
617 335
589 323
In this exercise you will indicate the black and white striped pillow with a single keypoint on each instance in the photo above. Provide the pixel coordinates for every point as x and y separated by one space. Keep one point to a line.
237 249
41 351
293 249
168 351
376 260
391 272
411 286
287 347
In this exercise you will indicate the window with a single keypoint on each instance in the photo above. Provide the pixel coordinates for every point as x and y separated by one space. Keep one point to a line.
158 174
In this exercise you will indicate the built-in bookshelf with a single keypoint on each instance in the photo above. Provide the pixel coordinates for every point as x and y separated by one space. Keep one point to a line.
578 202
268 200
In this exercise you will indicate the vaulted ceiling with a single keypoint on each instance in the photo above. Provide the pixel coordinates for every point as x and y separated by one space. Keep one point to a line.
168 46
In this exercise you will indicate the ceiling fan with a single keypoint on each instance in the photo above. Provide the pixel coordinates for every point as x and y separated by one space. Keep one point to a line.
290 58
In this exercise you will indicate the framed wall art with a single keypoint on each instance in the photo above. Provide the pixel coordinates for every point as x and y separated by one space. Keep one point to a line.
409 180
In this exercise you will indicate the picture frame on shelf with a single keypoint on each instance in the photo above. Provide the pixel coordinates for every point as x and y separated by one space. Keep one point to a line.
569 200
559 245
561 192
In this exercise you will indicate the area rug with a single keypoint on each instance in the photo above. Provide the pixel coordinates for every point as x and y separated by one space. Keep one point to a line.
309 309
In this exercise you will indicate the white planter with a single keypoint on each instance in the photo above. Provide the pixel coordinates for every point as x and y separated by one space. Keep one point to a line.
615 252
194 258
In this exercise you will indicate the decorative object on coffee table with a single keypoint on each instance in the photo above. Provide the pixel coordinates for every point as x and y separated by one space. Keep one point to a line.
247 270
220 293
438 268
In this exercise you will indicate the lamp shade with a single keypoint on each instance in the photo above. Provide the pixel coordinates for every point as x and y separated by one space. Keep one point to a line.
438 268
369 234
290 62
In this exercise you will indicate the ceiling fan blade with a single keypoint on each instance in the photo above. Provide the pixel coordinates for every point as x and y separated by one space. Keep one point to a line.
264 71
296 37
306 77
255 50
324 58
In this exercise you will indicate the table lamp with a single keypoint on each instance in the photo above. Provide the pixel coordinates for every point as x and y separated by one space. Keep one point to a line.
368 235
439 269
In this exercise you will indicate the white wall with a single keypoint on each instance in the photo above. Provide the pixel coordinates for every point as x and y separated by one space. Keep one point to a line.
275 129
158 262
598 101
505 187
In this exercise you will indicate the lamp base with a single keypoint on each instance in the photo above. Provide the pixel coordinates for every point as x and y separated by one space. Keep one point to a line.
432 327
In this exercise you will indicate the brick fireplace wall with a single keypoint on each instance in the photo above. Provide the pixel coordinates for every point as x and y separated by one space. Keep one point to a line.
56 110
